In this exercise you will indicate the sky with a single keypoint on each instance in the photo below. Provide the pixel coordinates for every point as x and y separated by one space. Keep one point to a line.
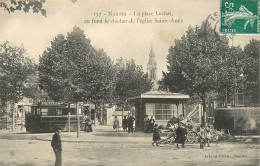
127 40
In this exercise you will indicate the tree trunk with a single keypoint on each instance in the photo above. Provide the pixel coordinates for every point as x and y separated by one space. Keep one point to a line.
22 118
204 115
123 114
95 115
78 121
69 116
178 117
102 113
6 116
183 111
13 111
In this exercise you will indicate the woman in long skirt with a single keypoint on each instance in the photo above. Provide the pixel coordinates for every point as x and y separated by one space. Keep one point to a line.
181 134
116 123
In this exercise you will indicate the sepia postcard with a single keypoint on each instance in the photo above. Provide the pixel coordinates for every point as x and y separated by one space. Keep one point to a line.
129 82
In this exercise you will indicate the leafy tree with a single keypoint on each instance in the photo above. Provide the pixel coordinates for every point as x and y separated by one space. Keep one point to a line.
33 91
72 70
130 81
202 62
102 78
26 5
230 73
15 70
251 71
61 66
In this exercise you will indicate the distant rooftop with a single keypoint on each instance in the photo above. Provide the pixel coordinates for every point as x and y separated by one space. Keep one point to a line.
157 94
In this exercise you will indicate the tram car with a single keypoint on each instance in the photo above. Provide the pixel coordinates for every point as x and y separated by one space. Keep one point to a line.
49 116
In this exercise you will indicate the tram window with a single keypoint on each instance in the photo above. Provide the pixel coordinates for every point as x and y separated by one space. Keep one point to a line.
51 111
64 111
59 111
44 112
73 111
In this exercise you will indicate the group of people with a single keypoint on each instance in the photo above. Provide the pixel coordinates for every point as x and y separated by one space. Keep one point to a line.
127 124
181 135
148 124
204 136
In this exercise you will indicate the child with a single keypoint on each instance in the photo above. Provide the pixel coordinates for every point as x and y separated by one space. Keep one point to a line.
207 134
156 135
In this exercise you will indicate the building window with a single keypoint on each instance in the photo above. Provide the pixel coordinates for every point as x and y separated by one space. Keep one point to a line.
240 97
237 99
52 112
162 112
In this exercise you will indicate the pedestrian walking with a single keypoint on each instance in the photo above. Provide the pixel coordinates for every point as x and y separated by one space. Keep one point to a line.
201 137
146 123
151 124
88 124
181 134
130 124
207 135
124 123
116 124
156 135
56 145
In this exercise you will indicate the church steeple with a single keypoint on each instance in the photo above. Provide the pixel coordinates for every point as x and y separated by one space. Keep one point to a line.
152 68
151 52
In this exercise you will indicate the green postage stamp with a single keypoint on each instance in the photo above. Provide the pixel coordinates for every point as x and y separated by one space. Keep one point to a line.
240 16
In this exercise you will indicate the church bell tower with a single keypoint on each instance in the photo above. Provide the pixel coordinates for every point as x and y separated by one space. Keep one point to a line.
152 69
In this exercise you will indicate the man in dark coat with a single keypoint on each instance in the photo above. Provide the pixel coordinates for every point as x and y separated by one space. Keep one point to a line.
125 123
181 133
56 145
130 124
151 124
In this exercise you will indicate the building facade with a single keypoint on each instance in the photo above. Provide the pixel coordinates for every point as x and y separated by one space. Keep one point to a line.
162 105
